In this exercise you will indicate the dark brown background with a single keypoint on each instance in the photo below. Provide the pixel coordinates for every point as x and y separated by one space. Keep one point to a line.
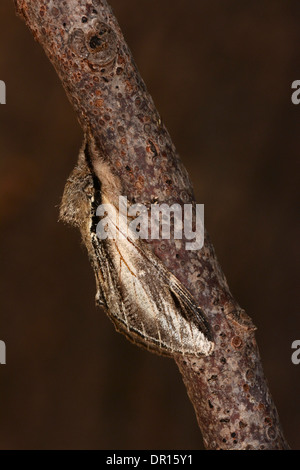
220 74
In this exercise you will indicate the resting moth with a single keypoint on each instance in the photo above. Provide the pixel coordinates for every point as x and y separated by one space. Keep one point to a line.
144 300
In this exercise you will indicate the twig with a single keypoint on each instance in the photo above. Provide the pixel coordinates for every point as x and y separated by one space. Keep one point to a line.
228 389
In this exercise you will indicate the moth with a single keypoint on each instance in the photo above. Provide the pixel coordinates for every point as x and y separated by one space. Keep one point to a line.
143 299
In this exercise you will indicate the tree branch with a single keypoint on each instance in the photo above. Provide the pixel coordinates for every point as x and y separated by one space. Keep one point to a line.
228 389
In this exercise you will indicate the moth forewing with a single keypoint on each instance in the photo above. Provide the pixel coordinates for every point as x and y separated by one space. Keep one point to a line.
152 306
143 299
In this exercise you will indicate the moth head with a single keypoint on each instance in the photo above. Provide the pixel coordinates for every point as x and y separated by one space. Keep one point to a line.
78 194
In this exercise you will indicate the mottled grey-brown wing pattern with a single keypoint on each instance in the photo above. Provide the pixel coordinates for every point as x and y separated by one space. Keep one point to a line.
146 302
143 299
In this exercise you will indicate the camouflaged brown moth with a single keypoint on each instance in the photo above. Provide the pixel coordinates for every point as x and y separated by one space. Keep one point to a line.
144 300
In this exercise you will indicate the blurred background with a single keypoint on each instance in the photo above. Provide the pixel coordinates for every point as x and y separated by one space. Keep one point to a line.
220 74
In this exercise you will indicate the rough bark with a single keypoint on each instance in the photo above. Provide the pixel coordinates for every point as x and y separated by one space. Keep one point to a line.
228 389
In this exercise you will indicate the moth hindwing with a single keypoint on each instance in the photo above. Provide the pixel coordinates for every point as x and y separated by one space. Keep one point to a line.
144 300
